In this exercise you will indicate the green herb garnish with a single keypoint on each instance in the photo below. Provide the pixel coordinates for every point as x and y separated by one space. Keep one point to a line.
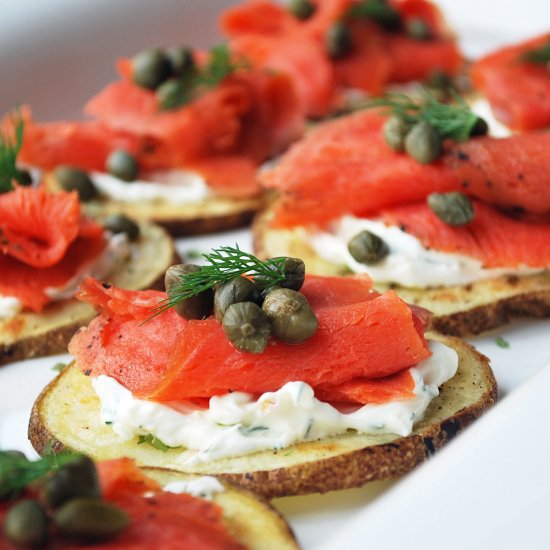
9 149
501 342
186 88
17 471
58 367
538 55
454 121
155 442
378 11
225 263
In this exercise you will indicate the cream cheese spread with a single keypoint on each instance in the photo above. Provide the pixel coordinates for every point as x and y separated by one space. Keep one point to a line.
236 424
10 306
202 487
408 263
173 186
482 108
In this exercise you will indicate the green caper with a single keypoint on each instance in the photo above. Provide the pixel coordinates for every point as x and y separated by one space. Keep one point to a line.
395 130
23 177
295 272
480 128
75 479
385 15
439 79
423 142
239 289
181 60
247 327
122 165
338 40
418 29
151 68
453 208
170 94
301 9
70 178
368 248
119 223
90 519
195 307
26 524
292 320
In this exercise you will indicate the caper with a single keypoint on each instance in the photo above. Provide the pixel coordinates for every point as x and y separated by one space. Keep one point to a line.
247 327
77 478
23 177
480 128
292 320
151 68
418 29
74 179
195 307
368 248
239 289
181 60
301 9
26 524
453 208
119 223
295 272
423 142
90 519
338 40
439 79
170 94
395 131
122 165
385 15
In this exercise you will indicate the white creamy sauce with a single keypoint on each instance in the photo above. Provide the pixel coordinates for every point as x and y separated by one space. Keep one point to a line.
174 186
203 487
235 424
482 108
10 306
115 254
408 263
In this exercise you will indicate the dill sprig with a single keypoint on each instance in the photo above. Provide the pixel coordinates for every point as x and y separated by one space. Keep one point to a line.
9 149
538 55
225 263
218 67
17 472
452 120
378 11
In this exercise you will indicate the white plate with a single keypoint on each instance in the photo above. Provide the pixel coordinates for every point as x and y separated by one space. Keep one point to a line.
489 488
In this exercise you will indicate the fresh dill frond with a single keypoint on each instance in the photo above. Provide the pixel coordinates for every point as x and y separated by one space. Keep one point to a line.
218 67
538 55
9 149
17 471
223 264
452 120
155 442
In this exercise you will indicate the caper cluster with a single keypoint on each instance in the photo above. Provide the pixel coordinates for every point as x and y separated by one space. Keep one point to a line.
250 315
68 502
164 72
421 141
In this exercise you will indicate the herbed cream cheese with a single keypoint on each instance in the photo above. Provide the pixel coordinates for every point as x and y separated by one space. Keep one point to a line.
10 306
174 186
202 487
408 263
236 424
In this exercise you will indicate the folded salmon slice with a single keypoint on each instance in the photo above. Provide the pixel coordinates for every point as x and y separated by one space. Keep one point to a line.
270 36
345 166
362 334
44 243
518 91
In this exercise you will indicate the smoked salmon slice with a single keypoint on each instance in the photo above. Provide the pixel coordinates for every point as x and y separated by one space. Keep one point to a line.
362 334
493 237
44 242
518 90
271 36
345 167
